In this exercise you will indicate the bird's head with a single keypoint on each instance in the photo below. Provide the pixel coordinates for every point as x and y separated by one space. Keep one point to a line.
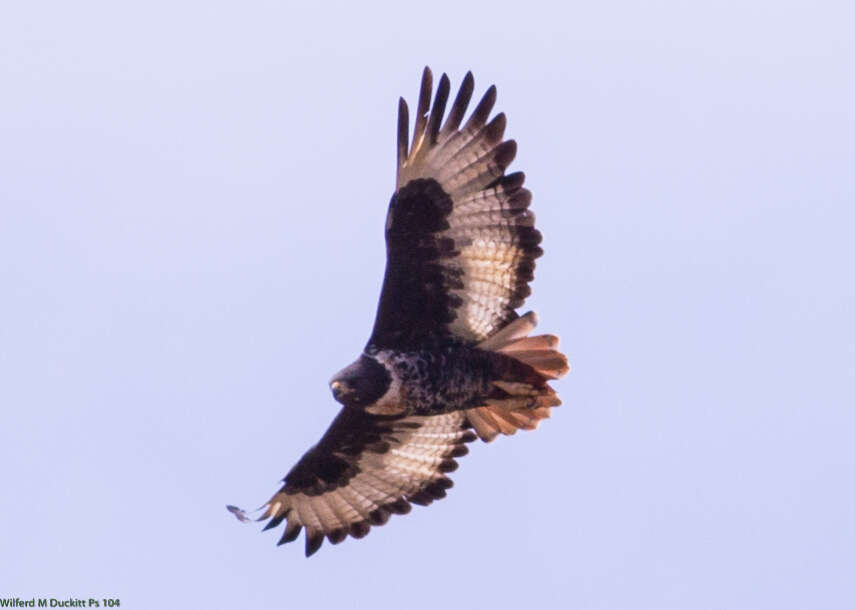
361 384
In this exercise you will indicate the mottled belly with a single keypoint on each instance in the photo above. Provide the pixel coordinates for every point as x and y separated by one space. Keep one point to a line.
439 381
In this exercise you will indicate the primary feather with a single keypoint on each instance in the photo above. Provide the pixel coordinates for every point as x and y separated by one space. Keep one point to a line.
448 352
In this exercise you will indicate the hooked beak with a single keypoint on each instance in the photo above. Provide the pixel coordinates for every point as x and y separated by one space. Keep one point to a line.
339 390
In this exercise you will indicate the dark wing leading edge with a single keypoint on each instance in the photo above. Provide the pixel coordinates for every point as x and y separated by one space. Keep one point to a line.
365 468
461 246
460 240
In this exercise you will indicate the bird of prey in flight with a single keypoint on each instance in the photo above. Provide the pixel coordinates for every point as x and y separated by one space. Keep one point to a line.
449 359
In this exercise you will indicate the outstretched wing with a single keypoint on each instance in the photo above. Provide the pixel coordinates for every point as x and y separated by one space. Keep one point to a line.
460 240
365 468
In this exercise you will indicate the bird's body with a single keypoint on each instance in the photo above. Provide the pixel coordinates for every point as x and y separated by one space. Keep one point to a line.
434 381
448 353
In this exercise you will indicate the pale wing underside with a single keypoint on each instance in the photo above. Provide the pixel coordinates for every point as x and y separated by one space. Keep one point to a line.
456 222
357 477
461 250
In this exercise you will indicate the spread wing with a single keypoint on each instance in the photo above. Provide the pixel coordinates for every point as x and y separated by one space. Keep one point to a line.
365 468
460 240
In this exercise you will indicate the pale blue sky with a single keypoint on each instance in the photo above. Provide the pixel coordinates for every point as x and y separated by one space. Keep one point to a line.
192 198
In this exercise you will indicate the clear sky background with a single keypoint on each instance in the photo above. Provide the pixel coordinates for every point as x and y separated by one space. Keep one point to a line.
192 199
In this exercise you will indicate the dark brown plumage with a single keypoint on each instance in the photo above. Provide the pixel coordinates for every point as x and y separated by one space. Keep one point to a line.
448 352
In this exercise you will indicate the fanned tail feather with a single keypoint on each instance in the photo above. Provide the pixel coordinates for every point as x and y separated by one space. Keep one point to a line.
523 404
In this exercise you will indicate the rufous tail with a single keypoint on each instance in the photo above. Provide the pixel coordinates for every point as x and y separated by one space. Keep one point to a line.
520 403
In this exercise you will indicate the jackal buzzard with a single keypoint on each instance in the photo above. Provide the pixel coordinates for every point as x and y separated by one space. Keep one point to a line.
448 353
